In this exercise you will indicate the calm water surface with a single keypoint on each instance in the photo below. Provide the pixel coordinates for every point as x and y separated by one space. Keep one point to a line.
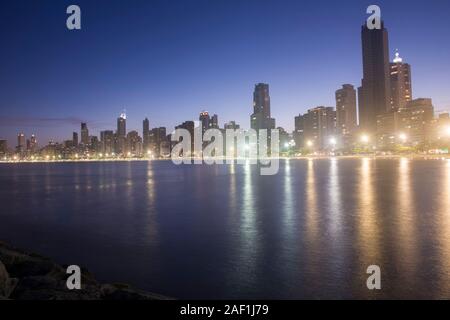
226 232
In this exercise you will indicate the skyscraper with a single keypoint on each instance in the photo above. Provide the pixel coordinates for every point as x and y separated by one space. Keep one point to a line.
204 121
320 126
260 119
231 125
214 124
33 144
190 127
374 93
346 110
75 139
400 80
84 134
21 143
134 143
3 147
299 132
146 134
122 125
107 141
121 134
157 137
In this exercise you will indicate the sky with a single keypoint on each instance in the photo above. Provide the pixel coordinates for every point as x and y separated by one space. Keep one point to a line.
168 60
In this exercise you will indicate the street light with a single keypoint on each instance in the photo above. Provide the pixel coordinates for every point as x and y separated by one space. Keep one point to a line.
403 137
365 138
333 141
447 131
309 143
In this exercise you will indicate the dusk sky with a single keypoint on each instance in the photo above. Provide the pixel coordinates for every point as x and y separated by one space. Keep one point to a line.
168 60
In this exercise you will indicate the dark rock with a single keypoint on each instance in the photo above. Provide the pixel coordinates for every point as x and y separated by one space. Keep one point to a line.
38 278
7 284
47 288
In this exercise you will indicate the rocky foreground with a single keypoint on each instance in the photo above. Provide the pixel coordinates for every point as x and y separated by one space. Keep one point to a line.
27 276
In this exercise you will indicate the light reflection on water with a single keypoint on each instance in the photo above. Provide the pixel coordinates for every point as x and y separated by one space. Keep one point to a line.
310 231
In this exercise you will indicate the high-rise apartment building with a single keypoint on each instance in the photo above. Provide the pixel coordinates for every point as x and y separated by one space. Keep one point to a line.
122 125
21 143
410 124
75 139
32 145
400 81
261 118
299 132
107 141
84 134
121 133
319 126
204 121
346 117
157 138
146 134
134 143
214 124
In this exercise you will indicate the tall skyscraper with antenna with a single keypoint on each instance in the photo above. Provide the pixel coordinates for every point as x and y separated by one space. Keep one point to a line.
374 93
121 133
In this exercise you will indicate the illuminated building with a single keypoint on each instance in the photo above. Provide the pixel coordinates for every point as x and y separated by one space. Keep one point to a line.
346 118
75 139
120 143
107 141
204 120
134 143
84 134
260 119
146 134
214 124
157 137
400 81
189 126
32 144
299 132
414 121
21 143
387 128
3 147
319 126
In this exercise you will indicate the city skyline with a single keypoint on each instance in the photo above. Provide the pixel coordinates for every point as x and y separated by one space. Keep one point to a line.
61 123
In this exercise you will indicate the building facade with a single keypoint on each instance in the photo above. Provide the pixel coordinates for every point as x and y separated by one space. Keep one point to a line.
346 117
319 127
400 81
374 93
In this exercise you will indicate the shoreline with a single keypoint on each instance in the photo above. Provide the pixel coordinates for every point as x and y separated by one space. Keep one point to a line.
309 157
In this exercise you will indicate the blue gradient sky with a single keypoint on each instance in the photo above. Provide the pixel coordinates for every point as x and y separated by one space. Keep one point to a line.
168 60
